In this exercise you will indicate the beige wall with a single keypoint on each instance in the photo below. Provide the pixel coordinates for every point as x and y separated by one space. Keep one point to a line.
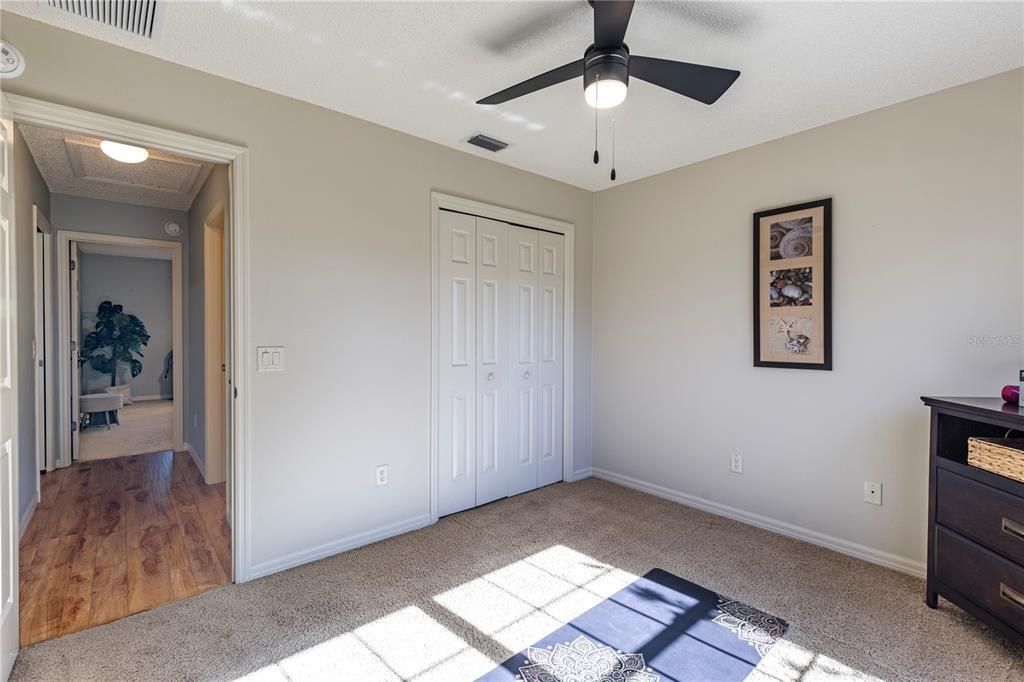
927 228
29 189
340 276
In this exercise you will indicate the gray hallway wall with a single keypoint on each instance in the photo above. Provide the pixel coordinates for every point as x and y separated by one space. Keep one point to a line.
143 287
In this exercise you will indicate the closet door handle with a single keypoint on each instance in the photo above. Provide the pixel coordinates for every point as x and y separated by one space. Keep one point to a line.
526 374
1011 595
490 376
1013 528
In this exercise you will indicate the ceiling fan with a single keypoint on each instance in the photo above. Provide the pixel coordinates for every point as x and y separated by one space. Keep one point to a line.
607 65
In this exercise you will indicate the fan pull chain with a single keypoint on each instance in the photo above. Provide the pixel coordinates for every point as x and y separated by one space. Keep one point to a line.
597 157
613 150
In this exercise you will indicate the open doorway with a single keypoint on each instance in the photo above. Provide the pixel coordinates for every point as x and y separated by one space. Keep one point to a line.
125 297
132 505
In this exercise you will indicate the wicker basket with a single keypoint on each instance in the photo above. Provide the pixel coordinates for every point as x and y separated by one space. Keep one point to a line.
1003 456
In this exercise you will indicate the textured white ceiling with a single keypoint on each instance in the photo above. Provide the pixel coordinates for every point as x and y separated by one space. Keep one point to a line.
73 164
418 67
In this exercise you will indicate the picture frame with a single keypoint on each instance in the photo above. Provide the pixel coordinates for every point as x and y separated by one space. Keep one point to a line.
793 286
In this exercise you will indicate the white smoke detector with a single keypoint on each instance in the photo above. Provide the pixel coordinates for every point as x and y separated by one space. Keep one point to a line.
172 228
12 64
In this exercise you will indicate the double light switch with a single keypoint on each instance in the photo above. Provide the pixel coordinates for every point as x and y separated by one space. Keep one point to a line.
270 358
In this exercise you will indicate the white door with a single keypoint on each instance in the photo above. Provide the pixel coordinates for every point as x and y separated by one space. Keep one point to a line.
8 406
75 327
39 344
551 329
492 394
457 367
229 341
523 282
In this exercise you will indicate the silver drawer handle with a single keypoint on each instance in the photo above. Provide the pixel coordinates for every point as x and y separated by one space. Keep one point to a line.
1011 595
490 377
1013 528
526 375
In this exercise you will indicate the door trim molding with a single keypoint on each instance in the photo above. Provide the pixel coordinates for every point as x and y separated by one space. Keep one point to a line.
64 239
42 113
439 201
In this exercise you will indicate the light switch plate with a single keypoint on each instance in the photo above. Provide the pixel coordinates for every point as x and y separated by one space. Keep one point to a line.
270 358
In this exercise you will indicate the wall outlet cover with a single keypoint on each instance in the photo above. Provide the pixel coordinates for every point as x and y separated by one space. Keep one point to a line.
736 464
873 492
382 475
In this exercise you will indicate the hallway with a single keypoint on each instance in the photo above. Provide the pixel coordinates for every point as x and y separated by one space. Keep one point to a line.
119 536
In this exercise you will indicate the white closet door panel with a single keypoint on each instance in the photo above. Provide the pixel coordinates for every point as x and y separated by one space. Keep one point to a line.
523 281
457 366
550 332
493 389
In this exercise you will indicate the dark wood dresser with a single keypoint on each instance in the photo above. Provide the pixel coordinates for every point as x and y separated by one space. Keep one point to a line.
975 517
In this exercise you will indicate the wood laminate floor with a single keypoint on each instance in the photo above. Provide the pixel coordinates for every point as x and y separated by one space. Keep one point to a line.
118 536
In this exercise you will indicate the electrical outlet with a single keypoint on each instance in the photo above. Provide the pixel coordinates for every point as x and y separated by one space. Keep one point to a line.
382 475
736 463
872 492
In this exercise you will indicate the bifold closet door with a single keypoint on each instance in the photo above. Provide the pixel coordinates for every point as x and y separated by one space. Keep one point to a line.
524 245
551 330
500 364
492 392
457 365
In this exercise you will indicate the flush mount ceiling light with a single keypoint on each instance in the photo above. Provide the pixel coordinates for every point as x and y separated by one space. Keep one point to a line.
125 153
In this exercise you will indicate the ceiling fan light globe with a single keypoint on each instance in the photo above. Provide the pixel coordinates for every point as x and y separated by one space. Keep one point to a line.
605 94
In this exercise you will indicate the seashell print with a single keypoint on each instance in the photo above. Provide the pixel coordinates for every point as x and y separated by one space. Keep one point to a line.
791 287
790 335
791 238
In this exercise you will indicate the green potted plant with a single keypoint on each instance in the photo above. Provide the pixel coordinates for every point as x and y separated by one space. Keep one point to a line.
118 338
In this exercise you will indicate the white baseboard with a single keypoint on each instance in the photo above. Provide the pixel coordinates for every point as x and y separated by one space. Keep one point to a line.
580 474
200 464
144 398
337 546
875 556
28 517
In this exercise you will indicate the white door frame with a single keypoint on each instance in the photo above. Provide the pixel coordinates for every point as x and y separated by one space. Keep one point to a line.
65 397
440 201
41 113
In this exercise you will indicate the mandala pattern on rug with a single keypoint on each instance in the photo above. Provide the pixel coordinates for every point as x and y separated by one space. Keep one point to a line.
584 661
757 628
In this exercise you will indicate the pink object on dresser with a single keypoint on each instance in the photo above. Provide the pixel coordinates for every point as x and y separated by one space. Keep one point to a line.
1011 394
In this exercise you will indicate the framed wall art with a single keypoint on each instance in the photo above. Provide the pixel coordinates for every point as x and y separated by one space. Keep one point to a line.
793 286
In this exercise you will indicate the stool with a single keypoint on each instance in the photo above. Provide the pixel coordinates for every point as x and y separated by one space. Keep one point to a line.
97 405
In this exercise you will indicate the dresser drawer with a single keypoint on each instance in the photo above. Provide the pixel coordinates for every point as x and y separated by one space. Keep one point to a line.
989 516
988 580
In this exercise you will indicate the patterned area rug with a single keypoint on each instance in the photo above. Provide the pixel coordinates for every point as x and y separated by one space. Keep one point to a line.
660 628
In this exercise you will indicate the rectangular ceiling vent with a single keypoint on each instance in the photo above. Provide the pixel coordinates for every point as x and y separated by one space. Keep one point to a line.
488 143
134 16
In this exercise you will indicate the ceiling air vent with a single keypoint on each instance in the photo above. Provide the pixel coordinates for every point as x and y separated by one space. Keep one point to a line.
134 16
488 143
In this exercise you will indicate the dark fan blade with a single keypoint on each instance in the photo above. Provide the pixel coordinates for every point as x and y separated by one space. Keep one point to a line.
611 17
702 83
552 77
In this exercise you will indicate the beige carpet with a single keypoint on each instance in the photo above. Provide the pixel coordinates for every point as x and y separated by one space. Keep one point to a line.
450 601
145 427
